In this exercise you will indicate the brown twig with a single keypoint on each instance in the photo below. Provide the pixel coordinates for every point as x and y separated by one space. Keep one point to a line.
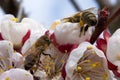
116 14
11 7
103 23
75 5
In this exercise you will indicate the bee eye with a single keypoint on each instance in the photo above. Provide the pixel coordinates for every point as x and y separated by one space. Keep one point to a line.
93 22
47 40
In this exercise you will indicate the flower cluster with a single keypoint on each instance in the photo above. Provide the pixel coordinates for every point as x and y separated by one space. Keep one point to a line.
29 51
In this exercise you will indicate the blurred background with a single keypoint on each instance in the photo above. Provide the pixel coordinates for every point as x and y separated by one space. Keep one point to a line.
47 11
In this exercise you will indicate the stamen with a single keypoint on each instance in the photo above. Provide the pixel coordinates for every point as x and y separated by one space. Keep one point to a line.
15 19
87 78
79 68
96 64
66 51
90 47
7 78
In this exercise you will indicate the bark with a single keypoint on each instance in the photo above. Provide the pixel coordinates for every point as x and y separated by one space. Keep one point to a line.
11 7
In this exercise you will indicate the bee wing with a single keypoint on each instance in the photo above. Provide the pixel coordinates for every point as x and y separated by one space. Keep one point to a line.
31 50
93 10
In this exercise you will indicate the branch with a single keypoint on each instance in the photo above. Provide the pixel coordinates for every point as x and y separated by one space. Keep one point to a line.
75 5
11 7
103 23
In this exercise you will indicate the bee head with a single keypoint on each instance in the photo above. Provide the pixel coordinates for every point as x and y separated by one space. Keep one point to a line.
43 40
92 22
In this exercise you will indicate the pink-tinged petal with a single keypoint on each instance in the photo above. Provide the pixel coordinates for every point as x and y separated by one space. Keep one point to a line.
63 72
67 47
6 52
47 33
69 33
111 66
78 66
106 34
1 38
26 37
63 48
116 73
101 44
53 39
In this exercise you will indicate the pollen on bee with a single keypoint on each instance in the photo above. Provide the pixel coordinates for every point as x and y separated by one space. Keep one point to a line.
7 78
81 23
87 78
90 47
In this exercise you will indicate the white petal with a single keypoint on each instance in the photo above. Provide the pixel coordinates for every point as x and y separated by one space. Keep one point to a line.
16 74
113 47
15 32
76 54
69 33
18 60
33 37
6 52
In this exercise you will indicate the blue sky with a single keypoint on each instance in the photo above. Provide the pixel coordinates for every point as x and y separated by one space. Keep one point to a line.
47 11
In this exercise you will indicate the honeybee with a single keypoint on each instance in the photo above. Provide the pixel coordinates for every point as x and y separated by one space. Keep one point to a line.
33 54
87 17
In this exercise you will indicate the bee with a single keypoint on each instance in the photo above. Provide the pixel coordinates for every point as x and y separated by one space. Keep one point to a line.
87 17
33 54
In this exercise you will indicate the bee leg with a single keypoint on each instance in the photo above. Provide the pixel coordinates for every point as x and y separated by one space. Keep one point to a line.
37 63
86 28
81 30
47 55
36 78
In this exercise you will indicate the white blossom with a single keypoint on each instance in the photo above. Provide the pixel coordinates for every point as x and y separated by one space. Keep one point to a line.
16 74
113 49
87 58
69 33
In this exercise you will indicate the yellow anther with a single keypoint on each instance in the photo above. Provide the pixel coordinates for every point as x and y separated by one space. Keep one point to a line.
1 71
63 61
0 58
7 78
26 74
118 56
88 60
54 24
90 47
65 51
15 19
105 76
94 52
81 23
79 68
95 64
15 51
87 78
9 67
